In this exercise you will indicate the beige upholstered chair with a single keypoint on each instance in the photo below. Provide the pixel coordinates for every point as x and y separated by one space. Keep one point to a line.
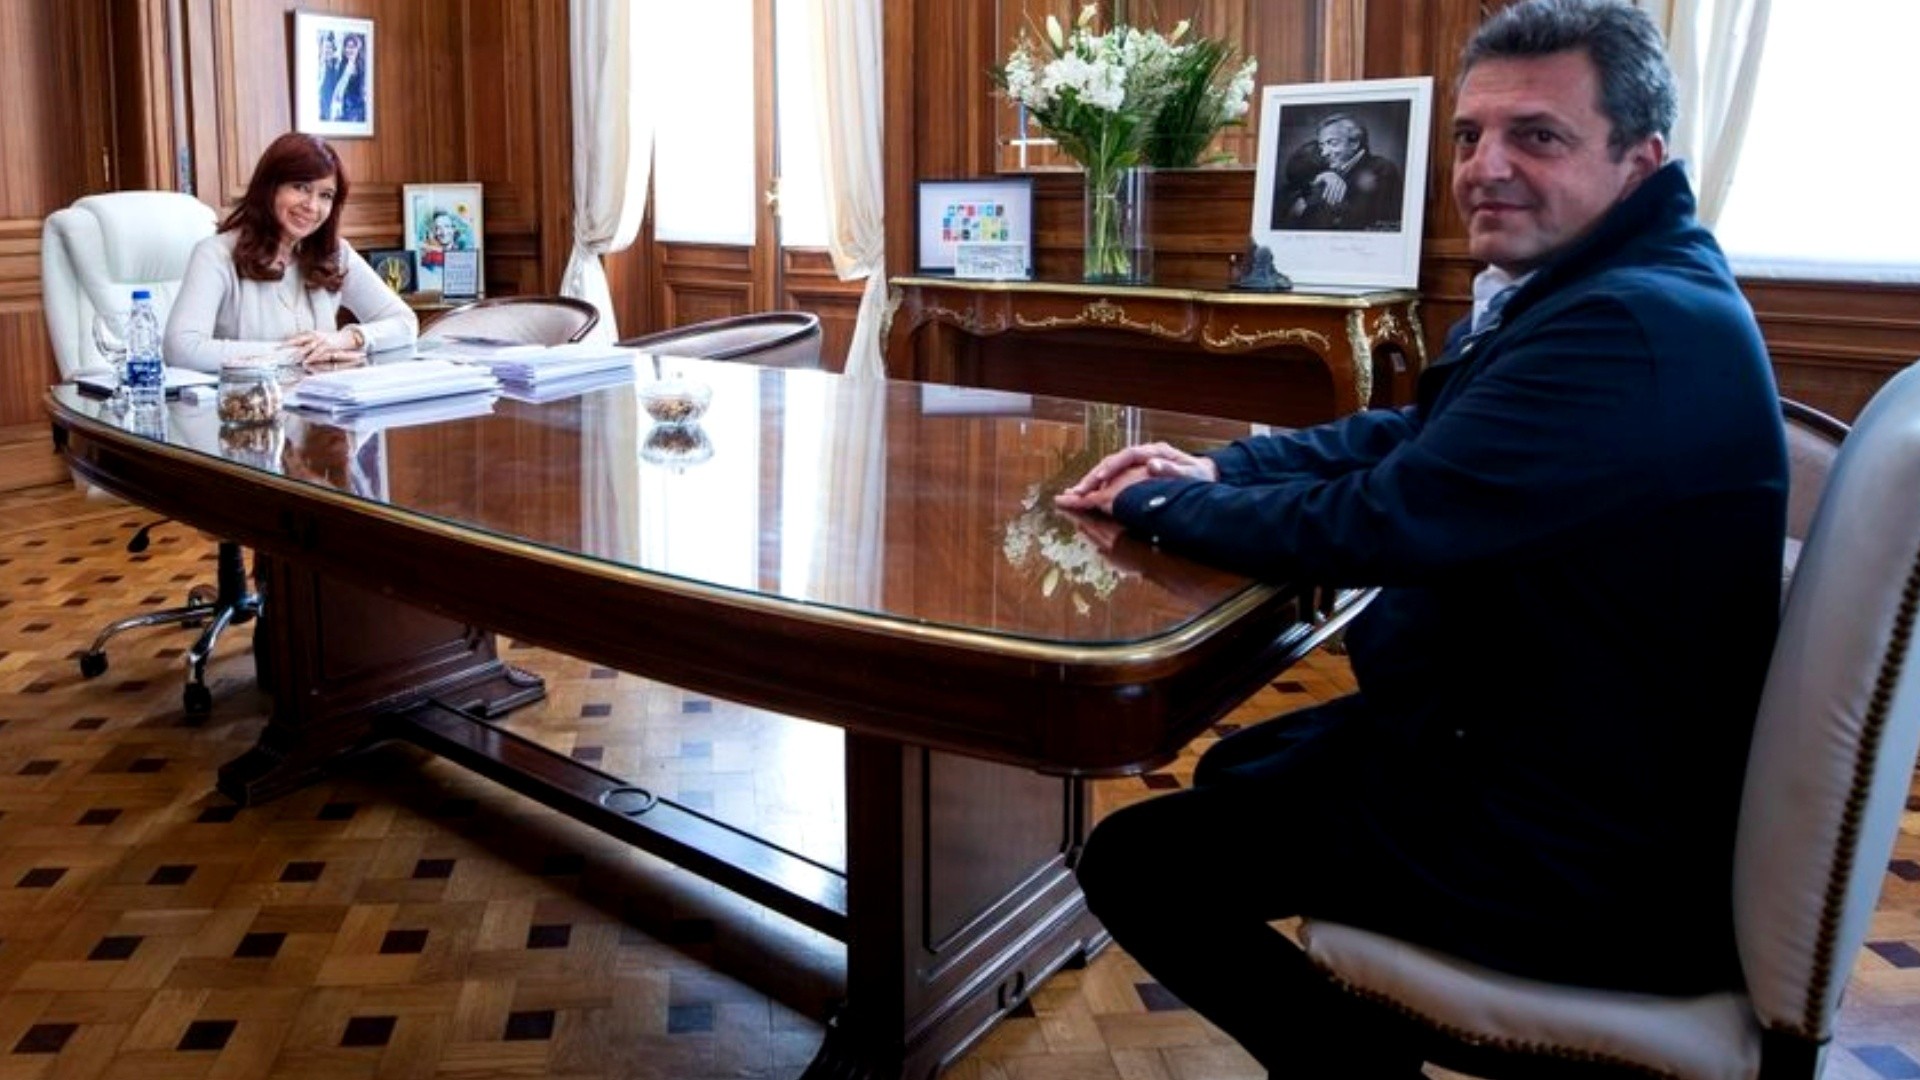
93 255
1827 778
524 320
789 339
1813 441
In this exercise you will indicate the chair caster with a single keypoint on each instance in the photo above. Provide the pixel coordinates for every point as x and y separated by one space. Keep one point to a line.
196 699
92 664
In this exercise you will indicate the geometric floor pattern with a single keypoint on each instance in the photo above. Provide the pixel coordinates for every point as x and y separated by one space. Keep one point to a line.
409 919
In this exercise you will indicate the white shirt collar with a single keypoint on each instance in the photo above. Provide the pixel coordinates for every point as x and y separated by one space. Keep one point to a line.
1490 283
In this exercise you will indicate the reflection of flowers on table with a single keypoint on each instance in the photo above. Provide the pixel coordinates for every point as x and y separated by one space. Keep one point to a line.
1043 543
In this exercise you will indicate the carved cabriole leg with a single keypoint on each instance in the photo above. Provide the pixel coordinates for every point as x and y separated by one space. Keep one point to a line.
1362 359
1418 331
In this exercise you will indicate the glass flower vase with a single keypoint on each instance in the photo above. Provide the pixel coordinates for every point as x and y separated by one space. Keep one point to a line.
1117 249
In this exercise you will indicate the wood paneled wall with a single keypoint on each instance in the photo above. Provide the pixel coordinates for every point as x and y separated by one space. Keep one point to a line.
477 90
465 90
1832 344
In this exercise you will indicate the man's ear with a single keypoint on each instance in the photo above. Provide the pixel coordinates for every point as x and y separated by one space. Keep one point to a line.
1647 155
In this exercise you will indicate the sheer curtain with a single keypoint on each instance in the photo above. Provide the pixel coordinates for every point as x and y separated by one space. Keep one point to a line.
847 50
1714 46
612 144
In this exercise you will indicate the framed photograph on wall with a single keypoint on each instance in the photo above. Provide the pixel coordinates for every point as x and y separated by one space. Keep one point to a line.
996 212
332 75
1341 189
439 219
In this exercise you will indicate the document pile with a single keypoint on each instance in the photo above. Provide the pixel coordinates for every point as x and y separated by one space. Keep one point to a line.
540 371
359 389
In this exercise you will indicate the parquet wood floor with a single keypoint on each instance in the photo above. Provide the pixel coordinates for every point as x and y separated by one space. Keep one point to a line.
406 919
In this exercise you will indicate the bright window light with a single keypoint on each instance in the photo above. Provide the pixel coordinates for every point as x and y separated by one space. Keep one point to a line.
703 173
803 200
1824 185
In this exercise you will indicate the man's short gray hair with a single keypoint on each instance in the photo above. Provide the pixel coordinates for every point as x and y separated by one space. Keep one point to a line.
1636 85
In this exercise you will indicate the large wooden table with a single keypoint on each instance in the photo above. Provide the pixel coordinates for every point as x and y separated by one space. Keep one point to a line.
879 556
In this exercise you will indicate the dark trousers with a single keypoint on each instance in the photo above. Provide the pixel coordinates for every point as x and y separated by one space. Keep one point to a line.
1188 882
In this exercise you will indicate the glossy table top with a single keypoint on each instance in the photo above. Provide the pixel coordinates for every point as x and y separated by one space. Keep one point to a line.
923 507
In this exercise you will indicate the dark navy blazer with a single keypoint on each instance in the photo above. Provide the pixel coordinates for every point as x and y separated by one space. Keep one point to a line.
1578 528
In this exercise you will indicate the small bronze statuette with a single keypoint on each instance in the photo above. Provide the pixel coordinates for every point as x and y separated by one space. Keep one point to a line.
1257 272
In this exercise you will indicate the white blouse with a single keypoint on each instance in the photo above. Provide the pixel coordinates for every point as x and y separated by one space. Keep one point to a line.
217 314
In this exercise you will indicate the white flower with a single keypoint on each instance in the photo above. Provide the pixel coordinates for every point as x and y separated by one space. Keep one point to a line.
1098 84
1055 35
1233 105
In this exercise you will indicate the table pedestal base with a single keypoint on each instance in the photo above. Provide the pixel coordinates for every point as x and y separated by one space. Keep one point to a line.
958 899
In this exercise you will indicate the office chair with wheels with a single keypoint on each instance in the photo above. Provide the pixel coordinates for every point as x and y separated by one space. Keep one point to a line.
525 320
1828 775
789 339
93 255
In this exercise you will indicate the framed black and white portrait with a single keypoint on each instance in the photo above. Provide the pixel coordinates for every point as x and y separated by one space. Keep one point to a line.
332 75
1340 194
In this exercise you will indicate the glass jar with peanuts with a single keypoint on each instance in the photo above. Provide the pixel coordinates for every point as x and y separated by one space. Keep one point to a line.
249 391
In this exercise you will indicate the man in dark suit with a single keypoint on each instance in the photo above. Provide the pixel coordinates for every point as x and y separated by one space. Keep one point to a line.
1577 530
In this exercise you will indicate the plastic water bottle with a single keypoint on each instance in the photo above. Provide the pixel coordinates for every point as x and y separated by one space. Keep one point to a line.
146 371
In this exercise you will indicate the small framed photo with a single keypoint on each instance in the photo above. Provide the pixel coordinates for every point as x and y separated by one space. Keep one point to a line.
460 277
395 267
1340 193
332 75
961 212
443 218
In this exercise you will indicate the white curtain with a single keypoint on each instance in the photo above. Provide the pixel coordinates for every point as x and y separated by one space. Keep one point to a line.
847 55
612 146
1714 46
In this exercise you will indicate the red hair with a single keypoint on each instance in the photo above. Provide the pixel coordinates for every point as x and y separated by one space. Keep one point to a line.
291 158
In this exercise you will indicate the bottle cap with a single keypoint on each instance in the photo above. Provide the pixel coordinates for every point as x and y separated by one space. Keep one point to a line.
141 294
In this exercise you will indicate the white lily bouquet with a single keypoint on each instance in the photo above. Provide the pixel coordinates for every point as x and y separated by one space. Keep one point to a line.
1123 97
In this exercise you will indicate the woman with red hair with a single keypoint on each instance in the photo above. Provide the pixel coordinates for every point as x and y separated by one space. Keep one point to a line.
276 275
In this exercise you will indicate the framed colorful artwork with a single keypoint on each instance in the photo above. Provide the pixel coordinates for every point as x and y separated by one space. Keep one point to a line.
997 212
439 219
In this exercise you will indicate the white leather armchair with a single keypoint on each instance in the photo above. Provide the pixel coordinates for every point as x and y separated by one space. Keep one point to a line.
96 252
93 255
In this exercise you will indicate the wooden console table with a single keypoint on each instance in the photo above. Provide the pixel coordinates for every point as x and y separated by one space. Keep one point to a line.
1207 351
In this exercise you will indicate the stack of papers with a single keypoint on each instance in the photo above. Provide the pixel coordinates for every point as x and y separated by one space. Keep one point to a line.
388 384
534 367
412 413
